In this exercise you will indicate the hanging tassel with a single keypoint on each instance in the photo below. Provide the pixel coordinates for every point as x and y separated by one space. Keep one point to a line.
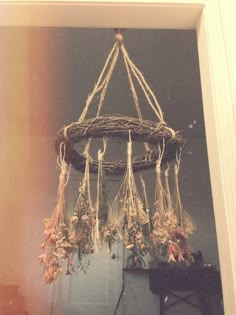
170 220
184 219
167 190
56 246
178 203
112 228
146 204
82 221
178 248
158 218
102 206
134 216
159 236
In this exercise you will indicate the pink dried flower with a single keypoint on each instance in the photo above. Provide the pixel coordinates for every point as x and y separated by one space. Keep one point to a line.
180 257
42 258
74 219
171 258
143 246
47 278
53 237
54 261
43 245
84 217
171 247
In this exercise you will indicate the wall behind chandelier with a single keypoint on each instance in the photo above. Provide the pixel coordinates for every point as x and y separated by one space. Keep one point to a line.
46 75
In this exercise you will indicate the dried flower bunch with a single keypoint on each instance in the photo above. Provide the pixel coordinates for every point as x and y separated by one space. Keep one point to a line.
56 246
111 230
172 225
75 240
134 218
82 221
111 233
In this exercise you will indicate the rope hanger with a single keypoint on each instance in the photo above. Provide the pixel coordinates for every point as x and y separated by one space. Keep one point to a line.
132 72
118 126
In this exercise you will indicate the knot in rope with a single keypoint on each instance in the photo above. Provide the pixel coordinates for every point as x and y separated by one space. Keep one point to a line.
100 155
163 123
158 167
119 37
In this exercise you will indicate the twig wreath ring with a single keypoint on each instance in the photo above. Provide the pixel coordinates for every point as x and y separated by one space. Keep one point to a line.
118 127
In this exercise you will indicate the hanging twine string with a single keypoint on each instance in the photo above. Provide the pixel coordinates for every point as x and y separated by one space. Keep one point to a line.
132 202
97 87
87 182
97 238
107 80
129 167
133 90
150 96
135 96
59 212
159 195
56 227
179 207
85 185
146 200
129 175
87 173
144 191
167 186
86 178
105 76
144 85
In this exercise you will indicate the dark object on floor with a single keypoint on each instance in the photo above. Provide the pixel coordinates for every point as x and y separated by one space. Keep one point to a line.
202 282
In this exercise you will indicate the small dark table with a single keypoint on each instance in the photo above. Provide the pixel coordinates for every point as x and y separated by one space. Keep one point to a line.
197 281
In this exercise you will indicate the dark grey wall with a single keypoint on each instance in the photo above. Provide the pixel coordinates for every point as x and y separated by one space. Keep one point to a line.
62 67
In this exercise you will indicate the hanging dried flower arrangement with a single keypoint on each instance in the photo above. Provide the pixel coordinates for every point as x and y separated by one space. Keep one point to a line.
111 231
56 246
140 230
102 205
81 232
171 224
134 218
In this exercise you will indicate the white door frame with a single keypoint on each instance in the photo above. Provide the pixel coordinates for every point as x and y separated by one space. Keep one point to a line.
219 108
